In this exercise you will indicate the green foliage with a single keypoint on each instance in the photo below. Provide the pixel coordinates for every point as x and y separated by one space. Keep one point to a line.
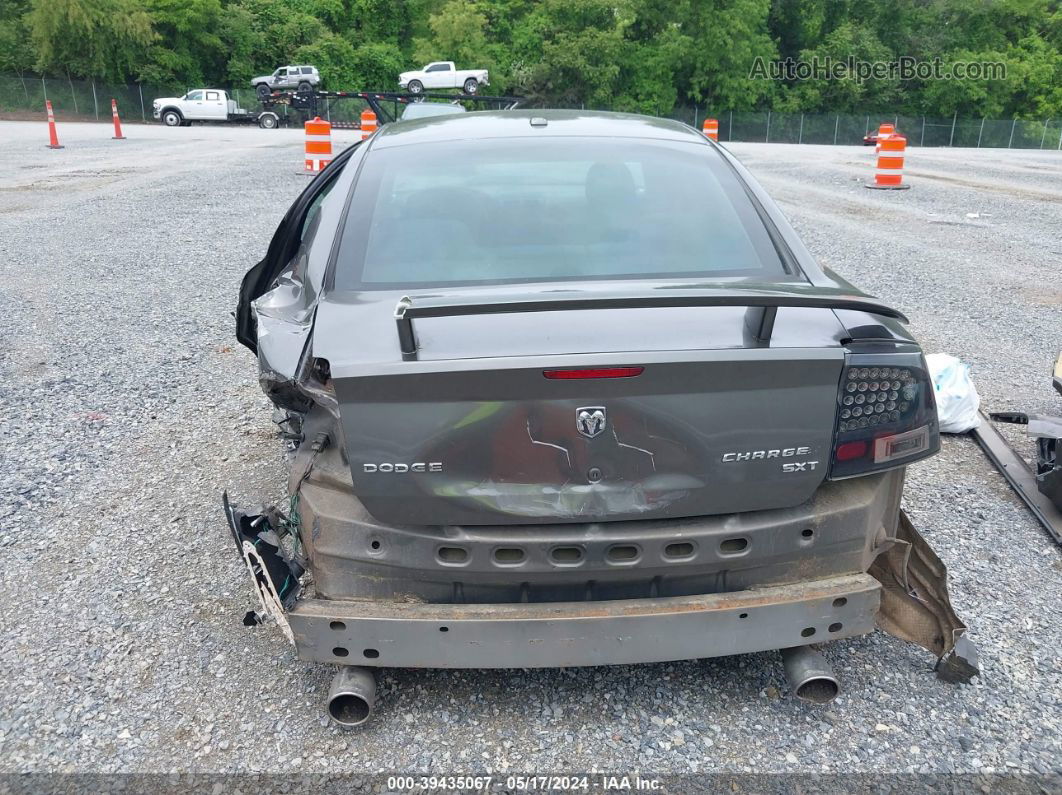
333 56
16 50
378 22
456 34
89 37
729 35
650 56
376 66
187 41
850 94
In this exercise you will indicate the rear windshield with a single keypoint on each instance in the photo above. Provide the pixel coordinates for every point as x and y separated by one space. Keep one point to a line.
557 209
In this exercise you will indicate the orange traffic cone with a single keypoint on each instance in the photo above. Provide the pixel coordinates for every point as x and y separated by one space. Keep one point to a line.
117 122
53 139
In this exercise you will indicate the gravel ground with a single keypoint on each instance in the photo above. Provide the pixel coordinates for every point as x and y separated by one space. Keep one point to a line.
128 406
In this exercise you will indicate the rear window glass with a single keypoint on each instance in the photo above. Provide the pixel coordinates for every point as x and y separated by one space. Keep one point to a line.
554 209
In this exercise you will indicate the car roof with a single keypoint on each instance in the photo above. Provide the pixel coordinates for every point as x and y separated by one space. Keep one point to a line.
422 110
517 124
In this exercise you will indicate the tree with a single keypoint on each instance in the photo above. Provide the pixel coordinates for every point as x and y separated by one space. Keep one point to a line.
334 58
188 47
571 53
378 22
377 66
90 38
851 93
16 50
643 55
457 34
799 24
242 40
727 36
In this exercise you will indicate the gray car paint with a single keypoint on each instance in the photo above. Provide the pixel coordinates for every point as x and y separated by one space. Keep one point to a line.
367 571
284 315
477 404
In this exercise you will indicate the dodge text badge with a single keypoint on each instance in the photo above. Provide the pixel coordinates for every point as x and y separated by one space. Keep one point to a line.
590 420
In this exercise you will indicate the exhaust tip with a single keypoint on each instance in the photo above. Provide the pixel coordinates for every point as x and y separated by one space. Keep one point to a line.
810 676
352 696
819 690
349 709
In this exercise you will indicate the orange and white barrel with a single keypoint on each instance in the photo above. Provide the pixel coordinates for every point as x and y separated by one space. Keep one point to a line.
318 144
711 129
889 174
368 124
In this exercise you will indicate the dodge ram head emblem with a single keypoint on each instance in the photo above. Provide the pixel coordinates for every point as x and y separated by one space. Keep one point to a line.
590 420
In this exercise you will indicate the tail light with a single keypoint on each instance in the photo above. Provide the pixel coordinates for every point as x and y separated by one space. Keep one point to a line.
886 414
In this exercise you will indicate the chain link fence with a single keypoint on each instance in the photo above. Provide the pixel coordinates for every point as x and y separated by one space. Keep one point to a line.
843 128
23 97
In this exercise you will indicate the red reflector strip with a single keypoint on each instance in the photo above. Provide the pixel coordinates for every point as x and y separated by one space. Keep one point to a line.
595 372
850 450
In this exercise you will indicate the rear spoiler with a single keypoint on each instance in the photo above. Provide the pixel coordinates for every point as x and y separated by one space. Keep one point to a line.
759 319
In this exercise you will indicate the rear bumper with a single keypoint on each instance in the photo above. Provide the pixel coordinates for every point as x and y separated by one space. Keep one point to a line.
446 596
356 558
562 634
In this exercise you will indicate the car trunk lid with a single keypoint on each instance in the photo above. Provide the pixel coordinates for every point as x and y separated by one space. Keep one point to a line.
709 425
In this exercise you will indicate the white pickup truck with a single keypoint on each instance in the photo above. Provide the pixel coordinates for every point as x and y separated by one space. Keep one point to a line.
443 74
208 104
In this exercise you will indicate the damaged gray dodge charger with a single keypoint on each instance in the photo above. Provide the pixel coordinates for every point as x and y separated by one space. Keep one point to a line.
566 389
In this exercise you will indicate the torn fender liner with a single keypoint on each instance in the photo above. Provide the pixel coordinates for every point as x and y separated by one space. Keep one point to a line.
914 598
274 571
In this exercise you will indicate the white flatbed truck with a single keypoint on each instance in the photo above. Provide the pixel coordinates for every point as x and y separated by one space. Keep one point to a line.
209 105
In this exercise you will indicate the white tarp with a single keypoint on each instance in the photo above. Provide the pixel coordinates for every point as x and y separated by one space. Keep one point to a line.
957 398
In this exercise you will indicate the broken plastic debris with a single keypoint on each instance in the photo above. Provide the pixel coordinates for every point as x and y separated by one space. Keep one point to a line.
960 666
